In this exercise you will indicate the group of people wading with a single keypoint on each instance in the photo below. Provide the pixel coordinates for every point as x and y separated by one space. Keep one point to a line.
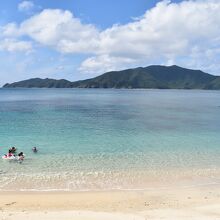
12 154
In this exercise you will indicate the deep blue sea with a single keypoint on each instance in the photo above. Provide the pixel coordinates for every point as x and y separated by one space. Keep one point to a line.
102 139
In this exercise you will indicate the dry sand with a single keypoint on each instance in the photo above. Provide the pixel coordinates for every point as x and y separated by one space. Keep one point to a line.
199 203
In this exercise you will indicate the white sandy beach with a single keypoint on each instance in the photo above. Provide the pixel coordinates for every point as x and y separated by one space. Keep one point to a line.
200 203
200 213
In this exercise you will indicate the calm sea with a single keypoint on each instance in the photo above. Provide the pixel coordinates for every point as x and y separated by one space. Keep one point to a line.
96 139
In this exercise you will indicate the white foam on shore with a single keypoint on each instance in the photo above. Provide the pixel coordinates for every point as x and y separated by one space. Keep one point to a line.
111 189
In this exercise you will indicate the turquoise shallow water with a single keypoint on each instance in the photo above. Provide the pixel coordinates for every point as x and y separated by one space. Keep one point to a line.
94 139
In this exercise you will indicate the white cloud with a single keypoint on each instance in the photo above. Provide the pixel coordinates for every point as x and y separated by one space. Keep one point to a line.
60 30
13 45
167 32
25 6
102 63
11 30
185 33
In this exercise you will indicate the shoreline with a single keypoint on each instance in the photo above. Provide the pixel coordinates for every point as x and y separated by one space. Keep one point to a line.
129 89
159 188
175 186
140 181
188 203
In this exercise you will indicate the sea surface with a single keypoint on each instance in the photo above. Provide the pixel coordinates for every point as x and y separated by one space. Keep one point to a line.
109 139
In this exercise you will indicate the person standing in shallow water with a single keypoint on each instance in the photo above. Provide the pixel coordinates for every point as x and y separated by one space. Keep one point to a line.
10 153
34 149
21 156
13 150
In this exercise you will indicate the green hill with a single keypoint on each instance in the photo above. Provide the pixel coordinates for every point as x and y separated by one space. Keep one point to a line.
40 83
159 77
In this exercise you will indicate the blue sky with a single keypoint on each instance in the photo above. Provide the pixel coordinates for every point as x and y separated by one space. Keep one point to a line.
99 12
78 39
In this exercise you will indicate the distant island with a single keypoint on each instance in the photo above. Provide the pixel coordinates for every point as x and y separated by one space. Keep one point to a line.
151 77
